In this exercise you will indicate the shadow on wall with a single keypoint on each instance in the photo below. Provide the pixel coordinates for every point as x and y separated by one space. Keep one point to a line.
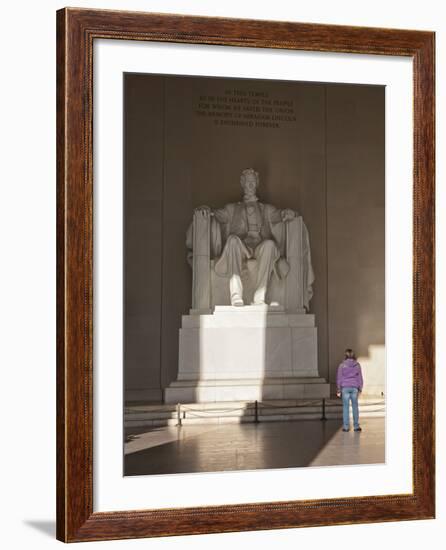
274 362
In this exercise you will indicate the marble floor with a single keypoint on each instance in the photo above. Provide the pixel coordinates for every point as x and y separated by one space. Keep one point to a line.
228 447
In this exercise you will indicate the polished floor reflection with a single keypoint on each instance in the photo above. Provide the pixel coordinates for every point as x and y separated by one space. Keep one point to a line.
228 447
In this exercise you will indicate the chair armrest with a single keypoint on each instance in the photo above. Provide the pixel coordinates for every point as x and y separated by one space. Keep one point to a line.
294 280
201 273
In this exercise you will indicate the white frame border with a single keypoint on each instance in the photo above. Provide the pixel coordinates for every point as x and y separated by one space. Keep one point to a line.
114 492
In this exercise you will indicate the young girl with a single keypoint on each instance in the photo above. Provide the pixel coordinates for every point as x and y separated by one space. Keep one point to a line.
349 383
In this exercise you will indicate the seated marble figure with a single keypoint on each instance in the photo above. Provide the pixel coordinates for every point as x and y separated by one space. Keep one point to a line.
248 233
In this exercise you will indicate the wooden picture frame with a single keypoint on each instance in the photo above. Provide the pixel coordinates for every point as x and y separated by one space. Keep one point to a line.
76 31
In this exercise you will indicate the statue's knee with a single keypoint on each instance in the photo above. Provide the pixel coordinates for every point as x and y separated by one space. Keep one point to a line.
268 244
233 240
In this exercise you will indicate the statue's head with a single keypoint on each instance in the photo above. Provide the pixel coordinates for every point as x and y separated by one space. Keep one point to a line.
249 180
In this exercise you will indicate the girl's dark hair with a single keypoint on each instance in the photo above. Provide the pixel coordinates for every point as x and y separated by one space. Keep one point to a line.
349 354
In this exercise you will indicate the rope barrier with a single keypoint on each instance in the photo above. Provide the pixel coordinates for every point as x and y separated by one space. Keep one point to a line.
183 408
251 405
257 406
296 406
198 415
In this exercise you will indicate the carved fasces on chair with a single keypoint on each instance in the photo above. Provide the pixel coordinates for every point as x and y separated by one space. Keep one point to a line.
294 294
299 283
201 265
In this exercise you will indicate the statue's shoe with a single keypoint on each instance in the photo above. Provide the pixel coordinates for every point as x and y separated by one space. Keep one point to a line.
237 302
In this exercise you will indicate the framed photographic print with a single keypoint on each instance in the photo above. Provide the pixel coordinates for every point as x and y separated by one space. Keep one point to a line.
245 275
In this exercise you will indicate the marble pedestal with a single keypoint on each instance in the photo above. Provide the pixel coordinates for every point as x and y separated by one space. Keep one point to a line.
247 353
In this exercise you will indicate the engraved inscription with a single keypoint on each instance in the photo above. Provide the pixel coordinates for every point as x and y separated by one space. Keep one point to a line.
245 108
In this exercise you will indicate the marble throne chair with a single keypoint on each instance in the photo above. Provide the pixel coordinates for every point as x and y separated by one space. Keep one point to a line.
210 289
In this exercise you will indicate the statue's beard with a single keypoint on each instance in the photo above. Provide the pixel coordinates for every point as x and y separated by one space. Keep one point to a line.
250 196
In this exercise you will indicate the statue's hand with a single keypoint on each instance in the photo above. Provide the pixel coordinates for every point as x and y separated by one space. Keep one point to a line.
288 214
205 211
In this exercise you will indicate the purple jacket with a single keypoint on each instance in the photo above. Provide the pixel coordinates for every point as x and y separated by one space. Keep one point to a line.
349 375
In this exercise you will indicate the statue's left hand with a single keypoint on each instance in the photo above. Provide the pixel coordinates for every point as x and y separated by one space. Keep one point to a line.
204 210
288 214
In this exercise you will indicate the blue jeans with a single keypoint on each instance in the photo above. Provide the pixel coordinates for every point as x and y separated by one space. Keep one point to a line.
350 394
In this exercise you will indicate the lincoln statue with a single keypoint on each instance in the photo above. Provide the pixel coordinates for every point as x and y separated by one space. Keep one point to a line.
250 229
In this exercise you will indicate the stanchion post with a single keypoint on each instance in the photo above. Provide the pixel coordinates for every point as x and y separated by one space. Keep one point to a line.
178 414
256 412
323 410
